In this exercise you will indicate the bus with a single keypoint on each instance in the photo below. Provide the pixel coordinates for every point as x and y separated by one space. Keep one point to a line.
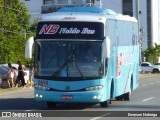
85 55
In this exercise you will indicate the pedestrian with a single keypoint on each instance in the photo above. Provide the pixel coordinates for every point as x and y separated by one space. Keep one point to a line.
10 74
31 72
20 75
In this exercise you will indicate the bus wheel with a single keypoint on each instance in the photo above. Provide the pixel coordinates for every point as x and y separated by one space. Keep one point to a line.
119 97
51 104
126 96
105 103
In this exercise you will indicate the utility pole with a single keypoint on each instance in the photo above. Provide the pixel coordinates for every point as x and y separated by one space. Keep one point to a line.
138 16
139 28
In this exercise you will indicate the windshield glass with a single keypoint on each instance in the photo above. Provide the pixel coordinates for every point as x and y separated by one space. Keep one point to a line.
68 59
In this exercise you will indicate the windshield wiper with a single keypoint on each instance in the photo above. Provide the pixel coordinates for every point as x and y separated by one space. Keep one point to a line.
56 73
60 68
75 63
63 65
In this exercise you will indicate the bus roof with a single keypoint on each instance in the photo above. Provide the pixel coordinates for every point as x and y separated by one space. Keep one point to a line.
92 14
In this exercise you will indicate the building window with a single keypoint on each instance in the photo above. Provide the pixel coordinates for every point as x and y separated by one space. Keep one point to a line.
27 0
62 1
76 1
128 7
48 1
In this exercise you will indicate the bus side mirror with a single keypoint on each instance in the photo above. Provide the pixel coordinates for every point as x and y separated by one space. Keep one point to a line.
106 47
28 47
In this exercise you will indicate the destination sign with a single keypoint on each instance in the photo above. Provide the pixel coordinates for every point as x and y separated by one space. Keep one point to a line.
70 30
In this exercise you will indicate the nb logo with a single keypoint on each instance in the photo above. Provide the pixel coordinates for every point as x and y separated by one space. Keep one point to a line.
49 29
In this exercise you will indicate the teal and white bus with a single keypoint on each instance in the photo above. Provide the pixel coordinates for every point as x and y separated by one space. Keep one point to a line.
85 54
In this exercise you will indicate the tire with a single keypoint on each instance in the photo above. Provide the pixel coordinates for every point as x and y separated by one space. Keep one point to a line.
105 103
126 96
155 71
51 104
119 97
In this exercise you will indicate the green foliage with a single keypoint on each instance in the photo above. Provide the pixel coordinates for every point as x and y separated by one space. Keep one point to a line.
152 54
14 21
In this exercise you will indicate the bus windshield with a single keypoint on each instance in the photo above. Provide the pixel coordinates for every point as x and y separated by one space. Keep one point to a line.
68 59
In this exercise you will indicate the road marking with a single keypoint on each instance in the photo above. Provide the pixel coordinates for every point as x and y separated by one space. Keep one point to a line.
144 85
148 84
148 99
158 82
152 83
104 115
31 110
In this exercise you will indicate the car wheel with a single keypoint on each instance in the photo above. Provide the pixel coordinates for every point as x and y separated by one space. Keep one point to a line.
155 71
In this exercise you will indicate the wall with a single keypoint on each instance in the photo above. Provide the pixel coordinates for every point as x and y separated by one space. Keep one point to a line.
34 7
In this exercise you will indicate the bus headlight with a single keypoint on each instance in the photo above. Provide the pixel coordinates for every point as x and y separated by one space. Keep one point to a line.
94 88
41 87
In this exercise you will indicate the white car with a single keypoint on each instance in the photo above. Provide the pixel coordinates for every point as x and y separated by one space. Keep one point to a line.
150 67
15 67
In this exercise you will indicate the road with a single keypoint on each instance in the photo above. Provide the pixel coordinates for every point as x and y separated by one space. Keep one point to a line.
145 98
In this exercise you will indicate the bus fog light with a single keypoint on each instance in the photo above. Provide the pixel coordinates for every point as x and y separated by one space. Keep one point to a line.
99 96
40 96
94 97
37 95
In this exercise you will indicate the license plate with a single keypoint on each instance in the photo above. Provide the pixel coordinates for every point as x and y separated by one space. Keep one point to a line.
67 97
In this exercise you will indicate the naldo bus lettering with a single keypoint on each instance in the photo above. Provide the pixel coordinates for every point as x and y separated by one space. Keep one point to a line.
53 29
85 60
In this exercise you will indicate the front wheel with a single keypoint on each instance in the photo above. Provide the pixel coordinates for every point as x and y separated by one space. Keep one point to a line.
105 103
51 104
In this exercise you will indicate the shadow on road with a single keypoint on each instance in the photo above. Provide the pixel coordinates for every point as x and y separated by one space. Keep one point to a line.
31 104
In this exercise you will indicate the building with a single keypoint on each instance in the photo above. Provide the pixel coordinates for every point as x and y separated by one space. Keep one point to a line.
149 13
34 7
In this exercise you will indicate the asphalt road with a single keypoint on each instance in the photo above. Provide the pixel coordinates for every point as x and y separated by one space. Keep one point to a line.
145 98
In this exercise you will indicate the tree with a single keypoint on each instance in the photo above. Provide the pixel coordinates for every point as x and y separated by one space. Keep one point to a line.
14 21
152 54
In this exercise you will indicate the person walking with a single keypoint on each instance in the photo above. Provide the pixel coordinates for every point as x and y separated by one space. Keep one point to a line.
20 75
10 75
31 72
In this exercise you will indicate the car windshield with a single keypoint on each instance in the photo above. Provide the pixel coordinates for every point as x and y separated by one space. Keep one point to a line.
68 59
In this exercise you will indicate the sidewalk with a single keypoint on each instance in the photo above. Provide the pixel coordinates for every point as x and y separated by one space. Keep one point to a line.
6 90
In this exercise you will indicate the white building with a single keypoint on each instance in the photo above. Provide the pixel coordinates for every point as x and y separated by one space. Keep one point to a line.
149 12
34 7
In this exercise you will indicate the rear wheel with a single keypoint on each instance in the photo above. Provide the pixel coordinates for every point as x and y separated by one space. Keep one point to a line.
155 71
126 96
51 104
119 97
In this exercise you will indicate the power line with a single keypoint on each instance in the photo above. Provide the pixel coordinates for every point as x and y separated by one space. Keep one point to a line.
9 31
